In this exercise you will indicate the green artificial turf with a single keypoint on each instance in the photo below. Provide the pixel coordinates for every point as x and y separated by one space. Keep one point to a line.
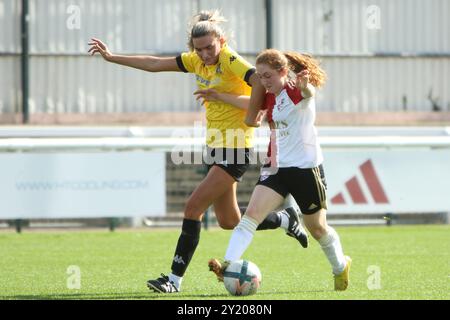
398 262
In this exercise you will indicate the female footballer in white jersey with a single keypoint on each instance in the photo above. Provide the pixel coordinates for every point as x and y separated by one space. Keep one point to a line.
294 160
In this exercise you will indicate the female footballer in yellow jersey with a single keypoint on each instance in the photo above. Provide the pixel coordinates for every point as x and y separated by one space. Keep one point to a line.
229 140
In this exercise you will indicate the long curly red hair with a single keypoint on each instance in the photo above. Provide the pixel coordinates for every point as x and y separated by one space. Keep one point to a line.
294 61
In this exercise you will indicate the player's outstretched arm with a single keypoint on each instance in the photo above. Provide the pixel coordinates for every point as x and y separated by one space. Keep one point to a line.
146 63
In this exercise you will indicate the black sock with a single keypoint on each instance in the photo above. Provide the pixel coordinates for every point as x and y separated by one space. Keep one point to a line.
187 243
272 221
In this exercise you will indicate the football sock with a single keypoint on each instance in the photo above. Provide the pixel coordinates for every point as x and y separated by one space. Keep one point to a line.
331 246
187 243
241 238
176 280
284 217
272 221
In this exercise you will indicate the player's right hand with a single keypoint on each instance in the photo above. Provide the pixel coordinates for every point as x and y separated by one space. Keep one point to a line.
97 46
206 95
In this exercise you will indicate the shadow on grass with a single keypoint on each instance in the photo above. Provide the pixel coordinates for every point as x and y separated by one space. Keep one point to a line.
150 296
112 296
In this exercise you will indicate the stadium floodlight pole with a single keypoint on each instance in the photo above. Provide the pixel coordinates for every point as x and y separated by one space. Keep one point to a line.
269 23
25 60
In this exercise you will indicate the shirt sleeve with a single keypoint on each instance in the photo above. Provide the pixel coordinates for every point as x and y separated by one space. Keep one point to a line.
185 61
295 94
237 65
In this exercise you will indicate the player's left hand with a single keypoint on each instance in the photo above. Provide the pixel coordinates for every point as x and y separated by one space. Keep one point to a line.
302 79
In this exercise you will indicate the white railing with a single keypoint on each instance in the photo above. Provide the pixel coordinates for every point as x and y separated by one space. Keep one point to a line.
197 130
192 144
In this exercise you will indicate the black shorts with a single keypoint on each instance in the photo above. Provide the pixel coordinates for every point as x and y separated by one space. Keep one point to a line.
234 161
307 186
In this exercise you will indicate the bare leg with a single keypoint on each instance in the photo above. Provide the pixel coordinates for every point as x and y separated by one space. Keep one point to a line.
328 239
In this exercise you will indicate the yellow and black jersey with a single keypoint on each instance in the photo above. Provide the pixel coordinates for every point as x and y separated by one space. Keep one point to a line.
229 75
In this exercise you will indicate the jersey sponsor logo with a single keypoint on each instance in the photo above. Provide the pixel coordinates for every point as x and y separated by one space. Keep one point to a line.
202 80
178 259
355 191
205 82
282 128
280 124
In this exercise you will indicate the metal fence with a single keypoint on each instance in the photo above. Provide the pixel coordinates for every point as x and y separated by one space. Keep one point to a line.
380 55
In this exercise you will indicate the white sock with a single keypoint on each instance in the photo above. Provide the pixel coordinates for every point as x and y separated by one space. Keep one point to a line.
284 219
176 280
241 238
331 246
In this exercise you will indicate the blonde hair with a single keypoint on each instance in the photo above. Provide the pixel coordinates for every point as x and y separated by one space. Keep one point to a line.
294 61
205 23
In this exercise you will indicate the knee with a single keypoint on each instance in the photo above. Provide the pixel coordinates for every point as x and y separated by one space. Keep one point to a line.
229 223
192 211
317 231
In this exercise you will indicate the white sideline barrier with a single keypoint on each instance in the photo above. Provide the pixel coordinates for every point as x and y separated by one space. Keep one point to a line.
125 176
395 180
189 144
198 131
82 185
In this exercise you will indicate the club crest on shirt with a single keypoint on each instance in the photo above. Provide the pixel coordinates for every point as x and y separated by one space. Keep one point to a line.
280 105
219 69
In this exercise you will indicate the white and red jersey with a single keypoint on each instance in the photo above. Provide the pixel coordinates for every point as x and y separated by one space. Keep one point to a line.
293 139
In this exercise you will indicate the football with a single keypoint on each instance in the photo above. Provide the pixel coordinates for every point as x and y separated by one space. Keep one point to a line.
242 278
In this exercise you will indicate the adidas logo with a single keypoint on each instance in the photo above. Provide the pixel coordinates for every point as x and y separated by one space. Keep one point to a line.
312 206
356 192
178 259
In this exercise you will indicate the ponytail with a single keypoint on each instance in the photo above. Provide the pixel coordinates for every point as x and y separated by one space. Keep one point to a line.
299 62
